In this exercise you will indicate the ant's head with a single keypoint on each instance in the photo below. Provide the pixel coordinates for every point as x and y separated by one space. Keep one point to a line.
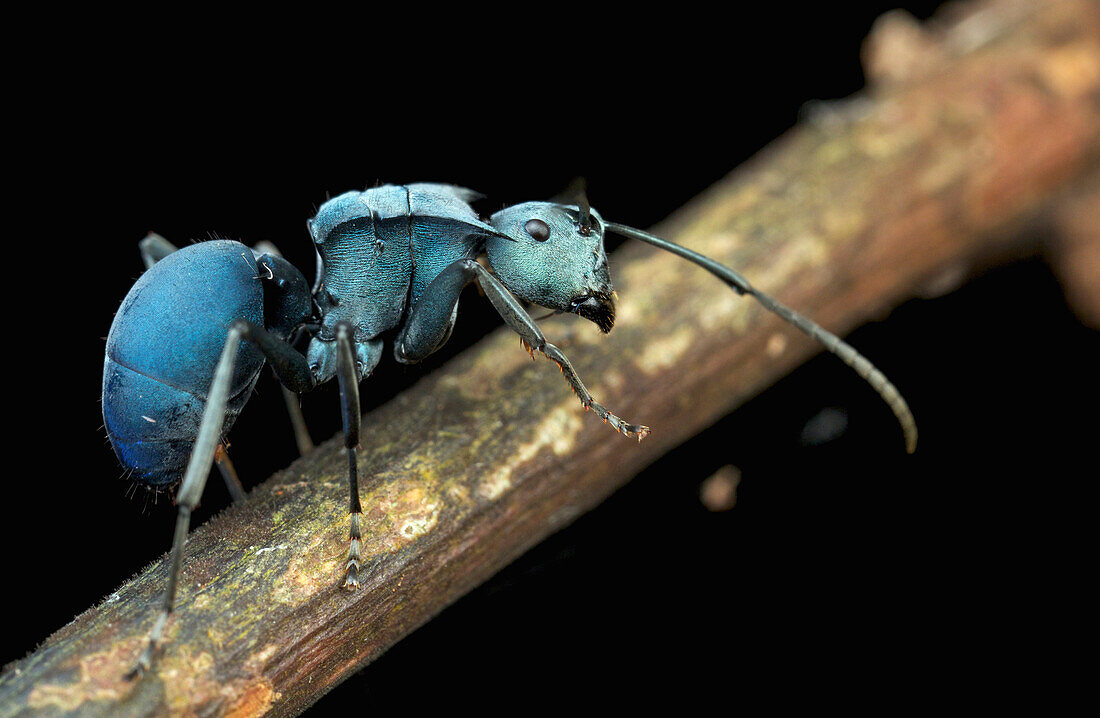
555 258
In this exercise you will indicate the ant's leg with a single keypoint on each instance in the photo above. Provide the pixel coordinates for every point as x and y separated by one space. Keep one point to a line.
349 408
430 320
154 248
301 433
229 473
291 369
349 360
198 469
293 408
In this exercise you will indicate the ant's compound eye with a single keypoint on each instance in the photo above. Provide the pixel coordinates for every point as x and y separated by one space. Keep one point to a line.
538 229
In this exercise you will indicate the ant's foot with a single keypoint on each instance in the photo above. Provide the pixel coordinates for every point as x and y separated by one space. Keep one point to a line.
615 422
145 660
351 570
143 664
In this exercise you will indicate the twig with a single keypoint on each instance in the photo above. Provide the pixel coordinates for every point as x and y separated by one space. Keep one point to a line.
481 460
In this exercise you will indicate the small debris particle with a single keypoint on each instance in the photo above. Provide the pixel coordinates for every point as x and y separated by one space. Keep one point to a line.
718 492
827 425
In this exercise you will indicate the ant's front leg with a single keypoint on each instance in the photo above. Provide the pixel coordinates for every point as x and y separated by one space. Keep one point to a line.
430 320
337 352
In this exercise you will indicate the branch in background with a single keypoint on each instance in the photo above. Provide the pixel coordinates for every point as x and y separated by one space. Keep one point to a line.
478 462
1075 251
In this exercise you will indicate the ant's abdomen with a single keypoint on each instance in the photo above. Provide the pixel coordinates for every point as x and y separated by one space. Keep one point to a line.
163 348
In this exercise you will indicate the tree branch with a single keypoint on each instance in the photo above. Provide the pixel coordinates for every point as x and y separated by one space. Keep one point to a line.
1074 252
480 461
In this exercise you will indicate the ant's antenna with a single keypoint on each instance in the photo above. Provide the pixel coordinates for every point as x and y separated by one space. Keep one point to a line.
585 208
862 366
577 193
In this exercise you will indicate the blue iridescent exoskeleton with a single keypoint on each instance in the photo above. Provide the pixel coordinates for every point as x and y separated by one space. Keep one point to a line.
191 337
380 250
165 342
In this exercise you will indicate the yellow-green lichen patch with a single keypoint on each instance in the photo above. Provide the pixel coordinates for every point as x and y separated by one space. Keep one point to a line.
255 697
188 678
417 513
190 683
312 567
201 602
255 663
216 637
400 511
495 485
458 493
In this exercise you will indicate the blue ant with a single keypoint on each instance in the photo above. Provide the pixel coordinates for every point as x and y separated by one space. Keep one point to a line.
189 340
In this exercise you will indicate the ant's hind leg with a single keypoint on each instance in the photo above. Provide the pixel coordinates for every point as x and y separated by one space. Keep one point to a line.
291 369
154 248
229 473
194 481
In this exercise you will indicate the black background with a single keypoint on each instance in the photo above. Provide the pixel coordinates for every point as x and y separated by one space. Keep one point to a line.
847 570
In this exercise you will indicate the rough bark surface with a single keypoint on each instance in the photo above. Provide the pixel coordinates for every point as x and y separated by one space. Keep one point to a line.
997 112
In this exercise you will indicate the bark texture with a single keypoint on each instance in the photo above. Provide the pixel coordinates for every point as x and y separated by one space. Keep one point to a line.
972 125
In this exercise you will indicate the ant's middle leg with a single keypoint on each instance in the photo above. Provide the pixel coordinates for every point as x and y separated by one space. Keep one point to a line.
293 407
154 248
